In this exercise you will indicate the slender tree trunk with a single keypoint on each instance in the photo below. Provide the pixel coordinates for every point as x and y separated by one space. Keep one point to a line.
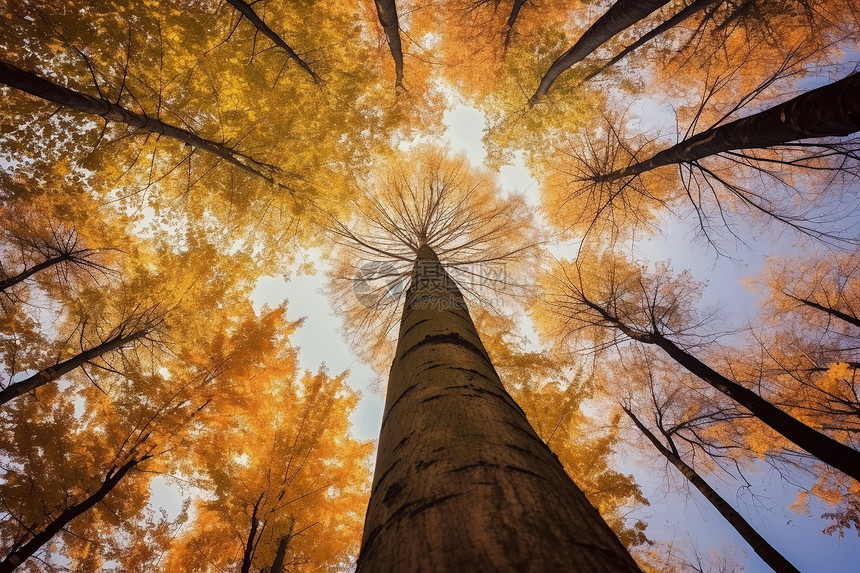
20 554
829 111
693 8
248 12
248 554
462 481
27 273
47 375
853 320
387 12
515 11
621 15
821 446
763 549
40 87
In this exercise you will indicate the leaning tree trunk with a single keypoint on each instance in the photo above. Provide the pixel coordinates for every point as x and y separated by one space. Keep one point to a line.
21 553
54 372
9 282
822 446
774 559
281 553
693 8
248 12
829 111
43 88
515 11
621 15
387 12
462 481
850 319
251 542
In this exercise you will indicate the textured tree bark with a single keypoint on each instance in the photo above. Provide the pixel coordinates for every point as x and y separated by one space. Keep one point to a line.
248 12
20 554
42 88
620 16
692 8
462 481
763 549
47 375
829 111
387 12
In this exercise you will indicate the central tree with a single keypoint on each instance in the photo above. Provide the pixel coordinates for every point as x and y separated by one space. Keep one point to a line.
462 481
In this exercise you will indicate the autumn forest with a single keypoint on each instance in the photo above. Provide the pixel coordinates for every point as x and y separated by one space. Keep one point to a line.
619 331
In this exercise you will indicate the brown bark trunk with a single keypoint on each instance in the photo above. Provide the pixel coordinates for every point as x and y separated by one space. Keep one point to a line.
620 16
251 542
47 375
20 554
853 320
821 446
515 11
387 12
829 111
248 12
27 273
763 549
47 90
280 555
462 481
692 8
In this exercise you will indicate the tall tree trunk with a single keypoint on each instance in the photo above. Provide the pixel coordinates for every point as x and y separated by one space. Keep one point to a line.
692 8
829 111
823 447
20 554
251 543
763 549
248 12
387 12
281 553
47 375
853 320
621 15
9 282
515 11
462 481
38 86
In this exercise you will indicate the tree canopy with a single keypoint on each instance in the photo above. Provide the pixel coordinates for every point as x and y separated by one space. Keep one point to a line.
160 159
